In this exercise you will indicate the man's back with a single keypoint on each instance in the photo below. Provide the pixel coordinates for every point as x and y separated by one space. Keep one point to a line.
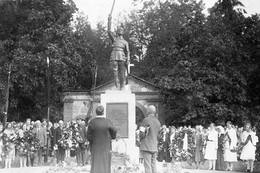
100 132
150 142
57 135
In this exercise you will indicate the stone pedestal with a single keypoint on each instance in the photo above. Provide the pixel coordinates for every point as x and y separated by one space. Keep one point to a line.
120 109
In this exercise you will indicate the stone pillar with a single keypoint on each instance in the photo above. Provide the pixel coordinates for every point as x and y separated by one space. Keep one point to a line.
68 110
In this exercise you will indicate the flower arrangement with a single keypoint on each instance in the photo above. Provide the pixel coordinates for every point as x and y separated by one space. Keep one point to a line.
122 164
21 145
163 137
177 150
65 141
71 138
31 142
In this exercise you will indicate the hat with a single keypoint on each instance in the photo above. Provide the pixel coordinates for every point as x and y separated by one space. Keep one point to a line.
100 110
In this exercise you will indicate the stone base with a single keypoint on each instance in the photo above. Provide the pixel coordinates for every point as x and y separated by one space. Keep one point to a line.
125 144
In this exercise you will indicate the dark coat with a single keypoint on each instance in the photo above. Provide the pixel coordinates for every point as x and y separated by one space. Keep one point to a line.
198 147
51 135
164 147
57 135
150 142
41 134
83 132
220 164
100 133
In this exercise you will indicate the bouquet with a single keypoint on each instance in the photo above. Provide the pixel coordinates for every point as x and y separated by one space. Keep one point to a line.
65 141
77 136
21 145
31 142
143 132
77 139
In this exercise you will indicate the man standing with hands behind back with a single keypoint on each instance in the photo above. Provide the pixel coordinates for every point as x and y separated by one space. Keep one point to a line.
149 144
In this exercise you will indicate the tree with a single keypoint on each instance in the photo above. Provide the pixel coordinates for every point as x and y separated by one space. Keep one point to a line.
202 64
33 30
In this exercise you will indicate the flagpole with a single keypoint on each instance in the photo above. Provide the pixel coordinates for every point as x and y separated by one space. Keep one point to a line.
7 95
48 105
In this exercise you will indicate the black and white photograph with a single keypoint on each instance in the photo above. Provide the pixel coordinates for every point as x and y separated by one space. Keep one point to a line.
129 86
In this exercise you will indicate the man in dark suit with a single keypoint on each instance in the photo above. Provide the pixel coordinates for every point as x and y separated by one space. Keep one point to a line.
100 133
60 153
81 149
41 134
149 144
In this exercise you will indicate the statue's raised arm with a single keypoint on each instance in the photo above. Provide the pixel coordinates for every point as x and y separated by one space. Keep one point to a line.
109 23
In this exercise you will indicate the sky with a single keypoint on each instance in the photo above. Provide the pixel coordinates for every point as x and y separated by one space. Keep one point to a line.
98 10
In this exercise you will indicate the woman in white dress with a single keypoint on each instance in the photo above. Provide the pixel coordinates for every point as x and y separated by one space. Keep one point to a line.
230 146
9 144
211 146
249 140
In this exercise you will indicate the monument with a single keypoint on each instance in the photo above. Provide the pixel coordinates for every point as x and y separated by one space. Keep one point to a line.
126 108
119 104
122 98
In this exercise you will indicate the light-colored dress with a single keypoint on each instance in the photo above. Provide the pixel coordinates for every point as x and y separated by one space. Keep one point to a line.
211 145
11 146
230 155
248 151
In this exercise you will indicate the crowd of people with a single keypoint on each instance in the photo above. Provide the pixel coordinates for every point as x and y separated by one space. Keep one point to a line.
33 141
221 146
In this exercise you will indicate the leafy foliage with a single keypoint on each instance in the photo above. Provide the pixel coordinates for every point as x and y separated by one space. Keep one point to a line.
203 64
30 32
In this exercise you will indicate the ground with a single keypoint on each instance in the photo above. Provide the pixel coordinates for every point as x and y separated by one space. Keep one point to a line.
85 170
71 167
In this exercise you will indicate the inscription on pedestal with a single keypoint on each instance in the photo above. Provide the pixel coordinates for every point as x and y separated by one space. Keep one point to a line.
118 114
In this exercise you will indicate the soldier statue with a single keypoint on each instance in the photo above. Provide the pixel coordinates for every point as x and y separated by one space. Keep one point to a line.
120 56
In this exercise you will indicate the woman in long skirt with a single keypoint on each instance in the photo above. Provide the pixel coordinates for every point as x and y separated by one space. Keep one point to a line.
220 153
249 140
230 153
199 146
211 147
